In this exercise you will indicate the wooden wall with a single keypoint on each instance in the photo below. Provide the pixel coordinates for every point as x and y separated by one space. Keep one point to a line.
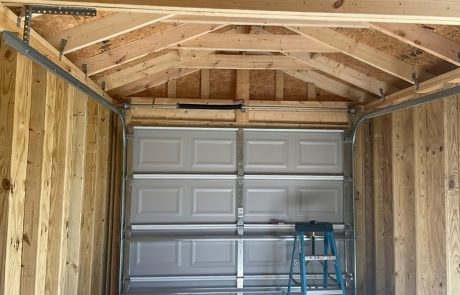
408 201
55 155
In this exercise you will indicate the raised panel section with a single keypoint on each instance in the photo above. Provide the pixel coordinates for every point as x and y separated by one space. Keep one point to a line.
183 150
293 152
293 200
266 202
213 154
213 201
266 154
163 258
182 201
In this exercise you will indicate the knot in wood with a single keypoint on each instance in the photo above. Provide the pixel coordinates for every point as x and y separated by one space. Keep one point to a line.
7 185
451 183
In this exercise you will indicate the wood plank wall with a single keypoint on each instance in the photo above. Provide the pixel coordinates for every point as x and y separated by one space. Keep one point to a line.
408 201
55 161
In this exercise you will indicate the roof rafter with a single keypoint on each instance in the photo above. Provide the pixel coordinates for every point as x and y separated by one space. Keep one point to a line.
331 85
362 52
103 29
422 38
144 46
150 82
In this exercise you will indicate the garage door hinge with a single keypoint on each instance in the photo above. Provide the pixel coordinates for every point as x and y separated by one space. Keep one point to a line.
348 230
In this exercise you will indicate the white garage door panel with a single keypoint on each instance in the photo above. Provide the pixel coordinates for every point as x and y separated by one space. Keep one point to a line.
293 200
293 152
182 201
169 150
182 258
274 257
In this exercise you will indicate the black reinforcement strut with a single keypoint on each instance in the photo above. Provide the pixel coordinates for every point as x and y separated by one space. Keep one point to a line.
192 106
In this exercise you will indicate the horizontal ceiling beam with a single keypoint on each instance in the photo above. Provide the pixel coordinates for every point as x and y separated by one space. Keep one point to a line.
102 29
362 52
249 42
399 11
141 47
331 85
249 62
254 21
422 38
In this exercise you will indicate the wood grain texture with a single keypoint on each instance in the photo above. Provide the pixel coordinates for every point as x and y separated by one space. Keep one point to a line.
89 198
38 185
76 190
403 201
14 131
452 197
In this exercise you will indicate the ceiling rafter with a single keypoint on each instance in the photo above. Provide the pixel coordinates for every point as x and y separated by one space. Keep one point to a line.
150 82
102 29
334 68
422 38
363 53
140 48
331 85
150 67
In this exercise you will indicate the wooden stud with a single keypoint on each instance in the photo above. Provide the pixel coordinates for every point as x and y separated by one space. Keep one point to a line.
312 91
279 85
204 84
38 185
172 88
242 93
15 84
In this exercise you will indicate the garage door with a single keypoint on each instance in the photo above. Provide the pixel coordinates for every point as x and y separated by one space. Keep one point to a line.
211 209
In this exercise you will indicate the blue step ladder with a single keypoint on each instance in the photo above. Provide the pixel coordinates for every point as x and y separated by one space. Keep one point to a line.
311 228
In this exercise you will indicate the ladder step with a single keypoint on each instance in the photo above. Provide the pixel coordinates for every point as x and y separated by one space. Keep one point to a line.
320 258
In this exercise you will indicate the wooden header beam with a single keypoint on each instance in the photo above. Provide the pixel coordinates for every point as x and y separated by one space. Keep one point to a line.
401 11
